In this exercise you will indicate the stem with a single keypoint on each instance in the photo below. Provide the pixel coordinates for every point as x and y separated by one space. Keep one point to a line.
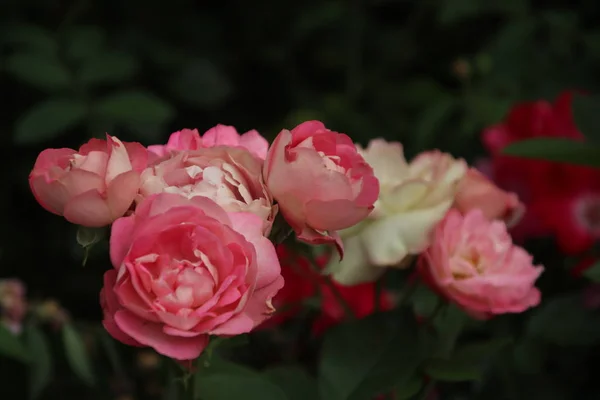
334 290
378 293
340 299
427 390
408 291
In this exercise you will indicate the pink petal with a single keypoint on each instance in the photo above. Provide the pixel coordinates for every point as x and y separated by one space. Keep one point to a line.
153 335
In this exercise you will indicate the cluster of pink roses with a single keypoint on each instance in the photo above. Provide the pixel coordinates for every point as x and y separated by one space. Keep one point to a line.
191 222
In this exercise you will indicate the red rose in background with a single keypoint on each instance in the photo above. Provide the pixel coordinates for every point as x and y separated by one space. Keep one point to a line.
562 200
302 282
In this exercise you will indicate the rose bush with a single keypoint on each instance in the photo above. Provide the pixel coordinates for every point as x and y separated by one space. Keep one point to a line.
320 181
93 186
185 269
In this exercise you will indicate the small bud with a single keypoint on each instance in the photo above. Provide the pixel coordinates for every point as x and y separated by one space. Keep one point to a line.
461 69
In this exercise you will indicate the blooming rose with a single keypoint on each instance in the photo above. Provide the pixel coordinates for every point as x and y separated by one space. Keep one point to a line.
476 191
231 176
91 187
303 283
473 262
185 269
220 135
413 198
320 181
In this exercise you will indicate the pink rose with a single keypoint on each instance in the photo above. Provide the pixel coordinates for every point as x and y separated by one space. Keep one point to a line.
220 135
230 176
92 187
320 182
473 262
476 191
186 269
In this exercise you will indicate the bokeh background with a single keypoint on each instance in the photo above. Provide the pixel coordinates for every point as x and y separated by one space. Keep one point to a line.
428 73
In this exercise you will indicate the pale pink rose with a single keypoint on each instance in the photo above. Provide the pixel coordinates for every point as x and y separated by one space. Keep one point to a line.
90 187
413 197
230 176
319 181
185 269
220 135
477 191
473 262
13 304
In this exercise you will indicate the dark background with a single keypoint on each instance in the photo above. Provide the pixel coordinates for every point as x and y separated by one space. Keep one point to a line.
430 74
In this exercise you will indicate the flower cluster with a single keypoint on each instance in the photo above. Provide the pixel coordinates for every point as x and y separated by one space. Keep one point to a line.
190 222
194 230
452 221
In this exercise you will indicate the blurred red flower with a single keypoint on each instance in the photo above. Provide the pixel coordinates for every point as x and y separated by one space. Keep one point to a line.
303 282
562 200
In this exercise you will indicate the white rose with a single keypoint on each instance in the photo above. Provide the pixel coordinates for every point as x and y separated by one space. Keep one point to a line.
413 198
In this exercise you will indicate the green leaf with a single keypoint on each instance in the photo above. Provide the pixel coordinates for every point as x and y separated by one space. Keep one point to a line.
528 355
555 149
295 382
452 11
563 320
11 346
367 357
586 110
449 323
593 272
41 364
224 386
41 71
409 389
107 68
48 120
31 37
467 362
134 107
77 355
84 42
201 83
424 301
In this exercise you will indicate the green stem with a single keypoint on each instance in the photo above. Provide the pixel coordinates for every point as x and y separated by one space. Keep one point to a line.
334 290
427 390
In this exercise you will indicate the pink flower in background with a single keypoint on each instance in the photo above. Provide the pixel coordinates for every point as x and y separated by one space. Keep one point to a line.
186 269
320 182
477 191
473 262
220 135
230 176
13 304
91 187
